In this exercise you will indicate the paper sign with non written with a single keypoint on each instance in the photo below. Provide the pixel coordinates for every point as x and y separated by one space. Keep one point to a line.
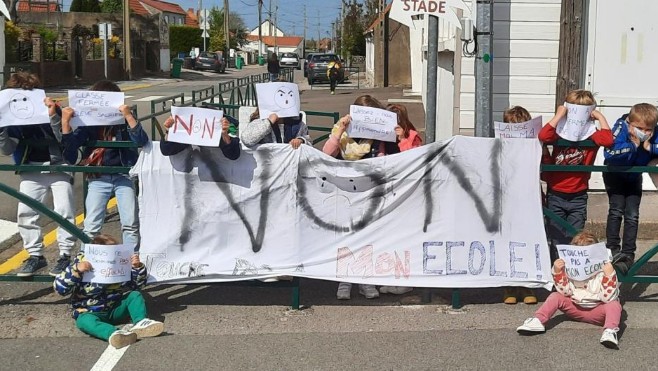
96 108
109 263
23 107
577 125
198 126
281 98
582 262
527 129
372 123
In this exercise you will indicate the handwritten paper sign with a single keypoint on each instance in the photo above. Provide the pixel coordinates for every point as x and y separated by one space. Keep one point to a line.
582 262
23 107
96 108
372 123
110 263
527 129
198 126
281 98
577 125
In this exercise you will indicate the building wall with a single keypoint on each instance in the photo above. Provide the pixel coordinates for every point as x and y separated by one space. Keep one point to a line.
526 44
399 66
265 30
370 61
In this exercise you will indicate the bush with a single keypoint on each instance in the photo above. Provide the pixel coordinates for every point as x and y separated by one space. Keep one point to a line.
183 39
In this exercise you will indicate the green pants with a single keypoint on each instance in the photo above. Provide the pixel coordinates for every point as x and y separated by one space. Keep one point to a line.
101 324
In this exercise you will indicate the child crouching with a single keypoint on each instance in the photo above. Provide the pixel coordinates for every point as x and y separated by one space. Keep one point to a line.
97 308
592 301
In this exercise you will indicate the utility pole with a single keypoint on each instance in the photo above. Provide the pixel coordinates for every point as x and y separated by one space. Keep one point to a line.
333 45
432 65
318 47
269 19
227 31
126 39
276 25
484 70
304 42
342 28
260 29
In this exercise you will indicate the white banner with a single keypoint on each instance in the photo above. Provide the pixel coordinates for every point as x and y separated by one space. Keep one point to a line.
96 108
577 125
281 98
372 123
109 263
465 212
199 126
527 129
23 107
582 262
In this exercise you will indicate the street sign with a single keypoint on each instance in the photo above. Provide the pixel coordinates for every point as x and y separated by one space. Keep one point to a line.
205 33
101 31
402 10
203 20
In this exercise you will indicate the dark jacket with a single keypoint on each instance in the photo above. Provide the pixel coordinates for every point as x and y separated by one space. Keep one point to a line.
624 152
112 156
273 66
15 141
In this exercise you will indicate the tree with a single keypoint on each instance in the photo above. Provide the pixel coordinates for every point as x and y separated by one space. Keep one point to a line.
184 38
371 11
216 31
111 6
85 6
353 40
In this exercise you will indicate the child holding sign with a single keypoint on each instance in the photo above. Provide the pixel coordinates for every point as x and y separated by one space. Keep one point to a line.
229 145
567 191
594 300
14 141
97 308
634 145
407 136
103 186
275 129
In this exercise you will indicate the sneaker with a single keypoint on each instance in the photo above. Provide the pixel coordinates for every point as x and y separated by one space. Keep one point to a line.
344 291
531 326
528 296
63 262
31 265
269 279
609 338
121 338
395 290
147 328
622 263
369 291
333 93
509 296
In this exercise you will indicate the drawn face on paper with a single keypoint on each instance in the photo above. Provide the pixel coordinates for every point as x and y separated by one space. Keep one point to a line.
21 106
285 97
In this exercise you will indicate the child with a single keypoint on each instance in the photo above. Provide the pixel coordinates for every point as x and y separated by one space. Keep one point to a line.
632 147
333 70
592 301
407 135
97 308
567 191
14 141
275 130
103 186
517 115
229 145
341 146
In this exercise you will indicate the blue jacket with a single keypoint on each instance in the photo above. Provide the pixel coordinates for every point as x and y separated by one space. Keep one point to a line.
95 297
13 142
112 156
624 152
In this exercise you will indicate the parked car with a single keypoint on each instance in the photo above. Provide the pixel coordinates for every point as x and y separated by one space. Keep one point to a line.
289 60
210 61
308 58
317 68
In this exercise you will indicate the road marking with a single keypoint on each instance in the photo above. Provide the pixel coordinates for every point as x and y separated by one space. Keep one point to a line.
405 100
15 261
110 357
149 98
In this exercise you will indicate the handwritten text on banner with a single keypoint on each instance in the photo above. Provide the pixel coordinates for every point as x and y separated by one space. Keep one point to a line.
199 126
96 108
372 123
23 107
527 129
578 124
110 263
582 262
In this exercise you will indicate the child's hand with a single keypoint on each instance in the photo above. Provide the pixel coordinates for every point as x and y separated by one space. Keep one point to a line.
125 110
559 114
273 117
647 145
51 106
558 266
134 260
596 115
67 114
295 143
399 132
608 269
83 266
225 125
343 123
169 122
633 137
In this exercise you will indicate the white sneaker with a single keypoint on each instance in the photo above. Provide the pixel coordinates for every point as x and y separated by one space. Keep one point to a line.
369 291
269 279
609 338
121 338
531 326
147 328
344 291
395 290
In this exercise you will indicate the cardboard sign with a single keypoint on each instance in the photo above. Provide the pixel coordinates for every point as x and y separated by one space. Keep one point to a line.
582 262
198 126
109 263
96 108
528 129
372 123
281 98
577 125
23 107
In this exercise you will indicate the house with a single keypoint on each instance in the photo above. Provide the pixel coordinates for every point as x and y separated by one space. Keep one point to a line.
42 6
267 29
271 44
191 19
172 13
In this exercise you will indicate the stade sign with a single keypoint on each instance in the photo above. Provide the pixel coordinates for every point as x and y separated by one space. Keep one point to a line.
464 212
402 10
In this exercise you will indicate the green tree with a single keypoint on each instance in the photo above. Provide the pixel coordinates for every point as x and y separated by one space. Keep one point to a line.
184 38
353 40
112 6
85 6
76 6
236 26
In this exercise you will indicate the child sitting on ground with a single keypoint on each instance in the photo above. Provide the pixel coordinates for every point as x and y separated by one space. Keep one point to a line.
592 301
97 308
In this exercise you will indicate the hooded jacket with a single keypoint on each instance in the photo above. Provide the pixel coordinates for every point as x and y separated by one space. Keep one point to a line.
624 152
